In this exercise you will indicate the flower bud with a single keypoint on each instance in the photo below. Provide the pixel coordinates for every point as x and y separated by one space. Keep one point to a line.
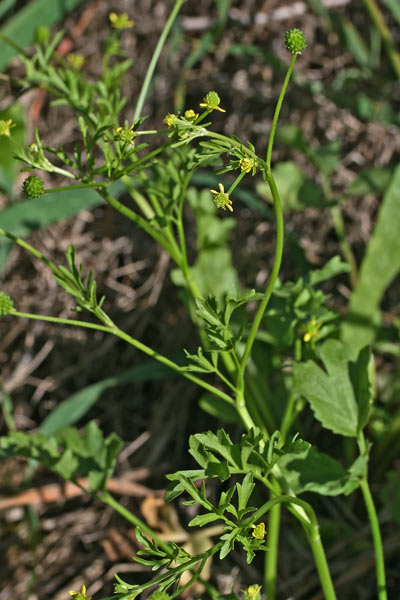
33 187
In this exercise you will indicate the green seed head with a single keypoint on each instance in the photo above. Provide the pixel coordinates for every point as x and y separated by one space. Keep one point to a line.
6 304
33 187
295 41
159 596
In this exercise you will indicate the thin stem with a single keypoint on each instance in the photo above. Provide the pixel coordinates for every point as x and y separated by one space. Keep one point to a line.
277 111
154 59
310 524
317 548
274 274
131 518
271 557
133 342
169 363
61 321
139 220
63 188
30 249
375 530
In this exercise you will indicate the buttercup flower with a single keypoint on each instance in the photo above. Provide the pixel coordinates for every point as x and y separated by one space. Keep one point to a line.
190 115
76 60
121 21
259 531
253 592
211 102
126 134
246 164
312 328
221 198
170 119
5 127
80 595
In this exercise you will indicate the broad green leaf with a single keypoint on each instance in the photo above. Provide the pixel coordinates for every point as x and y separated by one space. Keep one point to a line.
379 267
329 393
313 471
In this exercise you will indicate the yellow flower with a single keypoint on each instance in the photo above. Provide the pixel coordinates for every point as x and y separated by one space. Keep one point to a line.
5 127
170 119
259 531
211 102
76 61
253 592
312 328
80 595
126 135
221 198
246 164
190 115
121 21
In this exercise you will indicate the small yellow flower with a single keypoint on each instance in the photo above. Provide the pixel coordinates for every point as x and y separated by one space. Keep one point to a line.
312 328
126 135
246 164
121 21
221 198
80 595
259 531
190 115
253 592
5 127
75 60
211 102
170 119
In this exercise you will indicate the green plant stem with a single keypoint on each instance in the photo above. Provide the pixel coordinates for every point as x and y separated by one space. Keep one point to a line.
375 530
107 498
271 557
30 249
145 225
133 342
314 539
271 283
310 524
384 31
79 186
154 59
277 111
